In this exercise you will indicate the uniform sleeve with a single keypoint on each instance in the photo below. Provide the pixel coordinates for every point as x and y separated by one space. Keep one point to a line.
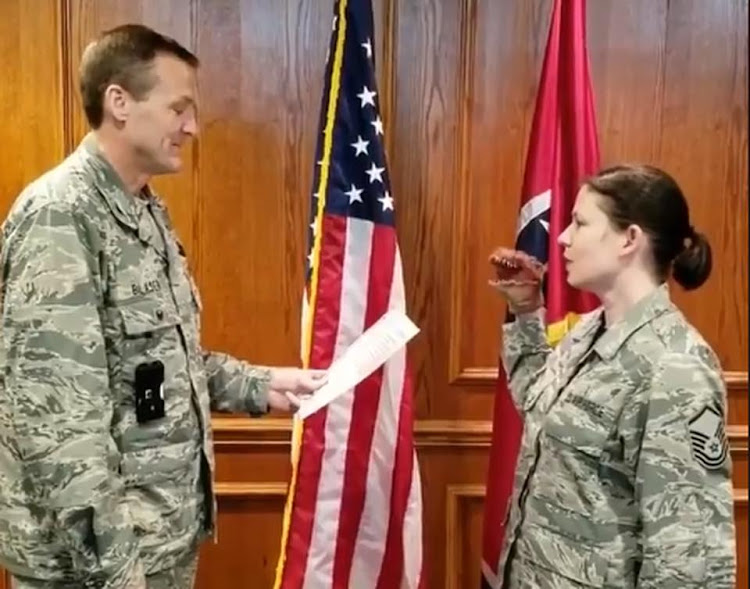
683 480
525 352
58 388
236 386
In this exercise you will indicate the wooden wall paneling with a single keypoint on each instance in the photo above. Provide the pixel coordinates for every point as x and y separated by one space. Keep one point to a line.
87 19
444 466
629 49
703 131
464 507
738 444
249 530
737 398
503 68
627 45
32 134
737 385
450 453
740 520
261 93
384 18
253 470
425 180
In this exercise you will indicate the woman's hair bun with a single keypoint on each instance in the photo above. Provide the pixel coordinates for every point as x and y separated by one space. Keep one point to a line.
692 266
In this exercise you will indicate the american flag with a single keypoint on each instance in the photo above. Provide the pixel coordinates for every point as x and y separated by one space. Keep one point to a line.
354 511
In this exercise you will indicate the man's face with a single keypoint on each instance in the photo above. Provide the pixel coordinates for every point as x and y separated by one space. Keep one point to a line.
165 118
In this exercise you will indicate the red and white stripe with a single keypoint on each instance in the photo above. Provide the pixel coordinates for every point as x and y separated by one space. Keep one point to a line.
357 515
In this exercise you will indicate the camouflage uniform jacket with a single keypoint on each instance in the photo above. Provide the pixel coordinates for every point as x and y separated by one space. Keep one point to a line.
95 283
624 475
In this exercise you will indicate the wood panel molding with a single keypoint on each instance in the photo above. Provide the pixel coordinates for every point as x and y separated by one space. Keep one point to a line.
740 497
461 205
68 81
454 496
487 376
270 431
429 433
389 73
265 489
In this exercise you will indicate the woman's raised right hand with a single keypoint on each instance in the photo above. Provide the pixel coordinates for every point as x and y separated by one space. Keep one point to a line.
518 278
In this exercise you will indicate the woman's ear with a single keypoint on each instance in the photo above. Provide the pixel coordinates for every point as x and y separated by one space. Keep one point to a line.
634 240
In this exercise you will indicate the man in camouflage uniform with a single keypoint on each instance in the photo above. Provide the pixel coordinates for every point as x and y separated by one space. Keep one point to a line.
624 477
106 460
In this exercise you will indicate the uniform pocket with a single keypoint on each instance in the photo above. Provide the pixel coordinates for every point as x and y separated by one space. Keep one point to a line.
160 489
562 557
590 444
573 474
148 332
147 316
158 464
536 390
578 433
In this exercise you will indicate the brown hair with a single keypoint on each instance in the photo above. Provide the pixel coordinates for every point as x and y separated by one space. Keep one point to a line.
650 198
124 56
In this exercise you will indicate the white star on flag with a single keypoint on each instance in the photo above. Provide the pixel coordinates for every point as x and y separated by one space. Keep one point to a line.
378 124
386 201
544 224
355 195
368 47
366 96
360 146
375 173
314 229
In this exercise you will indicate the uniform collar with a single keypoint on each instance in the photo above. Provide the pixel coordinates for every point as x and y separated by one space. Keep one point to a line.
124 206
588 327
651 306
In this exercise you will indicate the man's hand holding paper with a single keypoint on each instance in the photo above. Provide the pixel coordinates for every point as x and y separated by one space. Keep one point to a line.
368 352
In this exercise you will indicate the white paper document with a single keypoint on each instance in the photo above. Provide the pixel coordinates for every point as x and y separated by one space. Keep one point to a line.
367 353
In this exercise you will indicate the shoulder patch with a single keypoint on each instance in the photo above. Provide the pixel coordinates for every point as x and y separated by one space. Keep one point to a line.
708 439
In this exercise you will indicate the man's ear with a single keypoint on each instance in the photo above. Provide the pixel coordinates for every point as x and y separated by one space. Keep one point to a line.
117 103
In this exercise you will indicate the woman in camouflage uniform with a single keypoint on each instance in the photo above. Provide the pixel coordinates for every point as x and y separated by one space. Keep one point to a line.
624 475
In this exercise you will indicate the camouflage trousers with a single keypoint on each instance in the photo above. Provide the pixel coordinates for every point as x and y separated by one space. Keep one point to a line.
181 576
524 576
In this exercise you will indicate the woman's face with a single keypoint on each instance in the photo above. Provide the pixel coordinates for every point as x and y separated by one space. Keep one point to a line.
593 248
